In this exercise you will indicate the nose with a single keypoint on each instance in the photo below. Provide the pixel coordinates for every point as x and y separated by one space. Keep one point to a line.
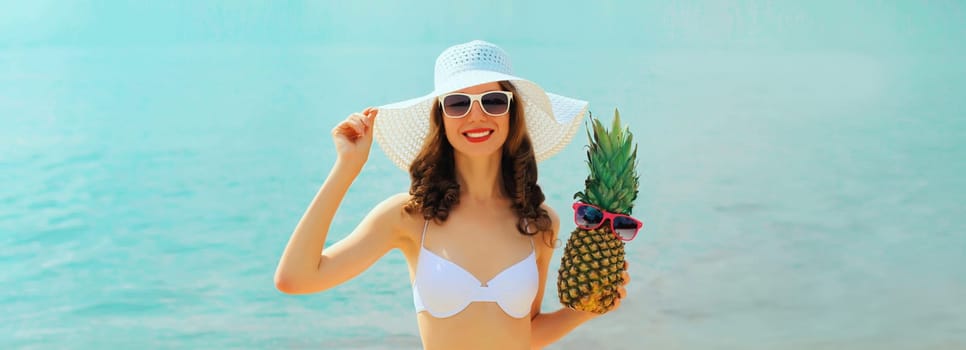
476 111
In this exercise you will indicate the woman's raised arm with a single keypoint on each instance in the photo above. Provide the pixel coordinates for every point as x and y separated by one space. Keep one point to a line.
305 267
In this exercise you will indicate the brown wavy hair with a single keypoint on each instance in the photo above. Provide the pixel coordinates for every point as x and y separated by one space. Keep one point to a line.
434 189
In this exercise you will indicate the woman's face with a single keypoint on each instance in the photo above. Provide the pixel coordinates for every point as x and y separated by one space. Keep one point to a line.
477 133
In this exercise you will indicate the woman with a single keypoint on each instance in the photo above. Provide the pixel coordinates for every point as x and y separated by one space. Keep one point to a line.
474 229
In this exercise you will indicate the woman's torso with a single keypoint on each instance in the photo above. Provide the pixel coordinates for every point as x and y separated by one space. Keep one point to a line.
484 246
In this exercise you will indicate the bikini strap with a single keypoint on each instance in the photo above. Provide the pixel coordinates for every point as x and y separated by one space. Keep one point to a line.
423 239
526 226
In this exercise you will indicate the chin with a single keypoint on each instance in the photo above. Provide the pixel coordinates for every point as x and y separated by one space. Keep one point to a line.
479 151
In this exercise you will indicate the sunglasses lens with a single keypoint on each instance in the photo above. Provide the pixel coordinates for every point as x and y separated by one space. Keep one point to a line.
495 103
456 105
588 216
625 227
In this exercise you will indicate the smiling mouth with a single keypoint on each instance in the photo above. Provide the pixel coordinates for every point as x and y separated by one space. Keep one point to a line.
478 135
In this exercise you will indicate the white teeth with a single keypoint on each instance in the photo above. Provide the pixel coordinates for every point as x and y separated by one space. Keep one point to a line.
478 134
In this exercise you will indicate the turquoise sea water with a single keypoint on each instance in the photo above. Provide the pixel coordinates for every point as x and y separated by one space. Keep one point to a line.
802 172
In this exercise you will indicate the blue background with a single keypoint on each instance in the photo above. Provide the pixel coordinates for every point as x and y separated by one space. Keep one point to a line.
801 166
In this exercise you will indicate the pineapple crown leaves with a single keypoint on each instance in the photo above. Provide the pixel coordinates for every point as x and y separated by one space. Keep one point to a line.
613 181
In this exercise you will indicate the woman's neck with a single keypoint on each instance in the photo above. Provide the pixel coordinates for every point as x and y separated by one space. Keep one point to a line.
479 178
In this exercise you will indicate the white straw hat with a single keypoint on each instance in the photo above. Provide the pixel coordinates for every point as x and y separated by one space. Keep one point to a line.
401 127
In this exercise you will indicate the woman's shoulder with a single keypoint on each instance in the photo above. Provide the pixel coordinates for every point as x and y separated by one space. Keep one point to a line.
394 206
399 198
551 236
554 218
391 212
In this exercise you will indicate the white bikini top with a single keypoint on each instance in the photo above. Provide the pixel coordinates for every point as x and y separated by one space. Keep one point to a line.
444 288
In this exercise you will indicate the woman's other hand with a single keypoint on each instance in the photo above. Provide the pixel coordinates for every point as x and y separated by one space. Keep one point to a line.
622 291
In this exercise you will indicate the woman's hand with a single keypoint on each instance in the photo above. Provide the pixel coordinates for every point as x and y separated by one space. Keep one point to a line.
353 138
621 291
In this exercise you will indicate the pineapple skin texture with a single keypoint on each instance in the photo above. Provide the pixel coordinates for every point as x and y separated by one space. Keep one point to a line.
591 270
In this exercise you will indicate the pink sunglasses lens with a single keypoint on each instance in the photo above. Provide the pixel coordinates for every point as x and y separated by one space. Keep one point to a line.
625 227
587 216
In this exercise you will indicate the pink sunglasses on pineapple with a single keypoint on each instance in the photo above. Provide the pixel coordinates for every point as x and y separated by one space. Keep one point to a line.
589 217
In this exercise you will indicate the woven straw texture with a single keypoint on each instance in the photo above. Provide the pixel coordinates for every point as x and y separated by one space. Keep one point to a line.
401 127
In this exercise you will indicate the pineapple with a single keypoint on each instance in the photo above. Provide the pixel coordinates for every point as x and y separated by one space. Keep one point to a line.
593 260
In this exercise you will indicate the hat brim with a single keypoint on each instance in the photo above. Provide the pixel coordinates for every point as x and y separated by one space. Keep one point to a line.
552 120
